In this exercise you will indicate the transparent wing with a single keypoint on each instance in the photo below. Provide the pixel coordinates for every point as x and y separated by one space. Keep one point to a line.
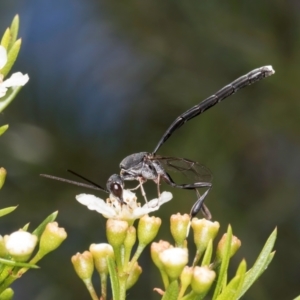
191 169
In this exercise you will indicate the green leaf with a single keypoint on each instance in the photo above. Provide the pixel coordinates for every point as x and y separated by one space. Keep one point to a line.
261 263
14 29
11 57
7 210
297 298
25 227
222 276
40 229
208 253
3 174
17 264
270 258
172 291
232 289
3 129
6 38
9 97
113 278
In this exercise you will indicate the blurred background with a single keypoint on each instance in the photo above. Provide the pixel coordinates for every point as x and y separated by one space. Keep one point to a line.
106 80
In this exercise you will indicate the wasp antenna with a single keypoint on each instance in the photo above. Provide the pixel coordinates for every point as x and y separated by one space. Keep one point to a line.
89 186
87 180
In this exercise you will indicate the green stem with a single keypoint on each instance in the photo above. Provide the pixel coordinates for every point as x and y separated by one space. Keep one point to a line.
6 271
103 278
17 273
36 258
122 286
182 291
135 257
89 285
191 296
118 257
198 255
165 278
10 278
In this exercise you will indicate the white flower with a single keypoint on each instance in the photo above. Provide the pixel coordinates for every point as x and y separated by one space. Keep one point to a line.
174 260
174 257
20 244
113 209
17 79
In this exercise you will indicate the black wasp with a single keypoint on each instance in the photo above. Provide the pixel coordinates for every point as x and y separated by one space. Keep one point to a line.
145 166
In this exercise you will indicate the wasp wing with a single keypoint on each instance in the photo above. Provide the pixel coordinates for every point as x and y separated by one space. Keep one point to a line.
191 169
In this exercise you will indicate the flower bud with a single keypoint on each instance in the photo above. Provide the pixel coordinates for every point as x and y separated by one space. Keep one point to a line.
186 278
174 260
179 228
83 265
2 177
100 253
133 276
7 294
202 279
204 230
20 245
51 238
147 229
156 249
130 238
235 245
116 232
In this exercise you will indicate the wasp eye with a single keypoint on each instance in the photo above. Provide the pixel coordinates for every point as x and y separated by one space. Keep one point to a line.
116 189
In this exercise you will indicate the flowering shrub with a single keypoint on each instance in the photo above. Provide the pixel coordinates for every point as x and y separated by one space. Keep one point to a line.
18 251
180 280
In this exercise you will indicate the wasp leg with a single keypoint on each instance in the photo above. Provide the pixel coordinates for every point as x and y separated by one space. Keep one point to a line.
199 205
141 181
135 188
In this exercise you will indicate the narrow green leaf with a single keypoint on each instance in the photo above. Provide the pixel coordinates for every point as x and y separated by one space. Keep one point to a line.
11 57
14 29
261 263
232 289
6 38
113 278
241 271
224 264
172 291
9 97
17 264
25 227
297 298
7 210
40 229
3 129
270 258
3 174
208 253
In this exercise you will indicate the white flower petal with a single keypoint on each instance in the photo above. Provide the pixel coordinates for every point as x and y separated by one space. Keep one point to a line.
3 57
3 91
153 205
97 204
130 210
16 79
20 243
174 256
